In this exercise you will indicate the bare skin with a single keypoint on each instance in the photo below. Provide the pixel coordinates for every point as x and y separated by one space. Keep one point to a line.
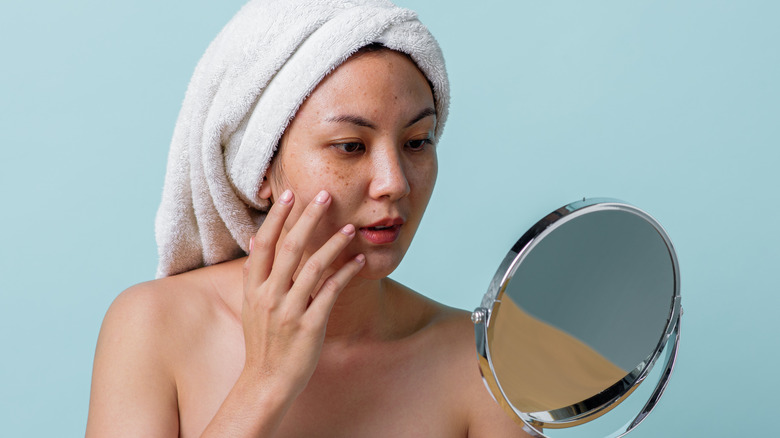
307 336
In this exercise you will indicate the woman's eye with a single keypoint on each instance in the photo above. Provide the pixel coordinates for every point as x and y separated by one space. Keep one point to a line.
418 145
350 148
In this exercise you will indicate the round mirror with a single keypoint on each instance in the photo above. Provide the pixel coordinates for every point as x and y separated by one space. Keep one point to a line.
577 315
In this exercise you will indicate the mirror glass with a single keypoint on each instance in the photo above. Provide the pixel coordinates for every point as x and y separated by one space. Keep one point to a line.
578 313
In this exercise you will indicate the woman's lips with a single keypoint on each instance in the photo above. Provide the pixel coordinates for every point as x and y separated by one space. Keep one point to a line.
381 235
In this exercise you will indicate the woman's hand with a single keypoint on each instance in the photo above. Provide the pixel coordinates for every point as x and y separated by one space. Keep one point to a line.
284 321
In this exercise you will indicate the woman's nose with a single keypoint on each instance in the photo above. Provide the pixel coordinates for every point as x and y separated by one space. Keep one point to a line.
389 176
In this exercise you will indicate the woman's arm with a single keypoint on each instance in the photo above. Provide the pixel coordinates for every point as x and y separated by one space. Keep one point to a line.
133 390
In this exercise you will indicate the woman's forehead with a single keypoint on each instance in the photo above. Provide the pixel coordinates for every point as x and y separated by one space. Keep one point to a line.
376 82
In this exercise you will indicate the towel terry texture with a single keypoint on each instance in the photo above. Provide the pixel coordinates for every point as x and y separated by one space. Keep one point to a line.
244 92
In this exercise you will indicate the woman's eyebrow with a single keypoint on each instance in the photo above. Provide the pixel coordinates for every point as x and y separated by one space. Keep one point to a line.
423 114
360 121
355 120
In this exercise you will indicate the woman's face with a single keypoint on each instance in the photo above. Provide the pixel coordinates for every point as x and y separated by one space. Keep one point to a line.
366 135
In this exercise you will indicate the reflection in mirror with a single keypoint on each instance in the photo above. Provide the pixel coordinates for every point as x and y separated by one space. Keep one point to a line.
578 313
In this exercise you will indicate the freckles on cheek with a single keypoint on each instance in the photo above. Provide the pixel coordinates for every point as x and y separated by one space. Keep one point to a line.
341 176
308 172
328 175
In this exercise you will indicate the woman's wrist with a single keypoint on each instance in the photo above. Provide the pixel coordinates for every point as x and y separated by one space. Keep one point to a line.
262 390
254 408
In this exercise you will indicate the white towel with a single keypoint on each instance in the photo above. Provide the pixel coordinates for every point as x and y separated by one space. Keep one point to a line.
245 90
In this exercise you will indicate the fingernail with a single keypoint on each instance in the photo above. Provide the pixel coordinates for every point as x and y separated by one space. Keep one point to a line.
322 197
360 258
348 230
286 197
251 243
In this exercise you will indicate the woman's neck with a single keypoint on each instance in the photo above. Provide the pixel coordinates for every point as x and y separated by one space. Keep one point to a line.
363 310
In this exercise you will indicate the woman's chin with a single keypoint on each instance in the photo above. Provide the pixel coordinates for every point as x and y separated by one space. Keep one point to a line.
377 268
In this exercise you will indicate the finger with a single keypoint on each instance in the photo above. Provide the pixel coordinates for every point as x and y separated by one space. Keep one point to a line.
320 307
292 246
263 246
319 262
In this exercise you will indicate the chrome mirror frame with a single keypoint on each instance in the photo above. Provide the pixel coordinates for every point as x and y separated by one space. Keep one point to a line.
601 403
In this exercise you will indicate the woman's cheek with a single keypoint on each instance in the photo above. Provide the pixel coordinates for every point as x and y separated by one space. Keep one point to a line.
425 179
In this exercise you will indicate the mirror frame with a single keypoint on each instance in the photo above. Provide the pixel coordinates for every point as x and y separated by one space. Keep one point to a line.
601 403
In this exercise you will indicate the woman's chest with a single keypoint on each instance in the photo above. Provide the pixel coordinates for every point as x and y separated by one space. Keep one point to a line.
380 397
395 390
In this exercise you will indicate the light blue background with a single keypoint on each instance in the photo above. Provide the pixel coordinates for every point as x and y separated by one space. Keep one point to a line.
673 106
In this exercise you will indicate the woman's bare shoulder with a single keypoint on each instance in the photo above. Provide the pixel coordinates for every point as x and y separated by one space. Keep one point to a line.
158 317
154 304
152 316
437 318
132 371
422 318
452 354
146 334
169 299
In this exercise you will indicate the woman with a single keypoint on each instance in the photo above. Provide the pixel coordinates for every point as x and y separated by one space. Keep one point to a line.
306 336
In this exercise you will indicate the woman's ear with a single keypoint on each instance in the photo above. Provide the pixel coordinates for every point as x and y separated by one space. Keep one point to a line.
265 189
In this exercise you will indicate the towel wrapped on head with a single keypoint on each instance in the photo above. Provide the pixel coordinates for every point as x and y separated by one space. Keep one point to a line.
243 94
